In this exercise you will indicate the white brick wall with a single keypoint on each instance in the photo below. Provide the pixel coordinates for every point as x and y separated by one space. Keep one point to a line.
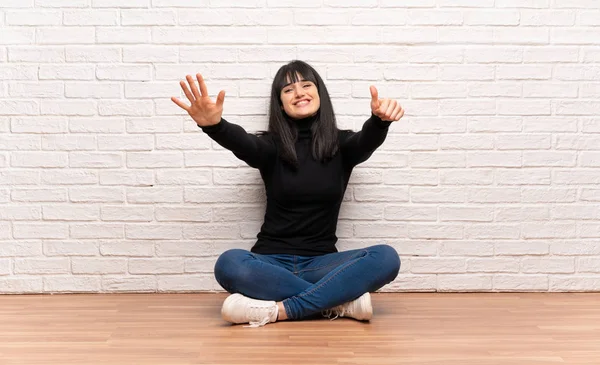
489 183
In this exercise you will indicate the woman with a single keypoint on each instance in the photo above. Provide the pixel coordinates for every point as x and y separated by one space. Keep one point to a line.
294 270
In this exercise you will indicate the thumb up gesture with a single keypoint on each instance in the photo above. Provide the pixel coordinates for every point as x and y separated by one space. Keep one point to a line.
386 109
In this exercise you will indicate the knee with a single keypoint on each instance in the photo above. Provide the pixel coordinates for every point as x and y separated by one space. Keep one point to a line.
389 261
228 264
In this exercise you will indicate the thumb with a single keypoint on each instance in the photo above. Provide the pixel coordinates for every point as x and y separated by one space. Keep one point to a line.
374 95
221 98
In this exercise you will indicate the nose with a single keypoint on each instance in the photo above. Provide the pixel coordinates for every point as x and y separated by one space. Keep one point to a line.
298 91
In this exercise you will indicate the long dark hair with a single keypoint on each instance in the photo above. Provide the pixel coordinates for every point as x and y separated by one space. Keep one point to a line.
325 132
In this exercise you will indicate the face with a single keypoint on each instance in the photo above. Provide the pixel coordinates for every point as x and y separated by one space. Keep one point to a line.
301 99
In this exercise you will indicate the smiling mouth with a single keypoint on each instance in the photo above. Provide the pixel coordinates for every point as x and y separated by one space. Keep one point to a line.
302 103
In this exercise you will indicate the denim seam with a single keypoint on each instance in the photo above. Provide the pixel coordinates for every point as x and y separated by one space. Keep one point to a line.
295 265
328 280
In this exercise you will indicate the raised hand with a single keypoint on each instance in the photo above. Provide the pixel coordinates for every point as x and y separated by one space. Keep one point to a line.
386 109
203 111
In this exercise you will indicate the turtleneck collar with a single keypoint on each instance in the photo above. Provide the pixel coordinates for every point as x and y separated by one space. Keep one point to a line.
304 126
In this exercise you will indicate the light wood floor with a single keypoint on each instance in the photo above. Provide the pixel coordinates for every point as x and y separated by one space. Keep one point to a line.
418 329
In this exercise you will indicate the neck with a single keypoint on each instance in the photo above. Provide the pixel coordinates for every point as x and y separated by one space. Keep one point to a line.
304 125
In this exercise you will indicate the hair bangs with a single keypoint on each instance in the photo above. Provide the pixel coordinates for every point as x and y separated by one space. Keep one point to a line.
296 72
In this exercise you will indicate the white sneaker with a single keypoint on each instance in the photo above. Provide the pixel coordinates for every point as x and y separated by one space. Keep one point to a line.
240 309
360 308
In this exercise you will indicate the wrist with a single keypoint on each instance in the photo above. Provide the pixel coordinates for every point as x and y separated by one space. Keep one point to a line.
380 122
212 127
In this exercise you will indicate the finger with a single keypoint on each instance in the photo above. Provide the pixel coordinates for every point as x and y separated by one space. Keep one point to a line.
203 89
186 91
374 94
401 114
190 81
221 98
180 103
390 109
396 112
383 107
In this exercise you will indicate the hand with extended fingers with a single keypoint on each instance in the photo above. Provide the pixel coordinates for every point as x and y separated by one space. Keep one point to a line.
203 111
386 109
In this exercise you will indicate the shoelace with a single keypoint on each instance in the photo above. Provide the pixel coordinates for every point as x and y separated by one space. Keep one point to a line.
258 318
339 312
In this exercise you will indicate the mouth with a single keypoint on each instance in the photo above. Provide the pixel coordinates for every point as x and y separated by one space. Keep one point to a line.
302 102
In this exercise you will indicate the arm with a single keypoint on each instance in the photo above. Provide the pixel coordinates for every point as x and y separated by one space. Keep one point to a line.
359 146
254 150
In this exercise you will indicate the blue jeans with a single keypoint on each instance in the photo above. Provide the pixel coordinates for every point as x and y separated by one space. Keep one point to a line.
307 284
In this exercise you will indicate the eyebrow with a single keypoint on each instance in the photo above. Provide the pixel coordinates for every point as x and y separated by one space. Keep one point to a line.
289 83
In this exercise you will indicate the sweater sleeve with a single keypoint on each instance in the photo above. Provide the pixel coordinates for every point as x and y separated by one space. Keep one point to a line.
357 147
256 151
